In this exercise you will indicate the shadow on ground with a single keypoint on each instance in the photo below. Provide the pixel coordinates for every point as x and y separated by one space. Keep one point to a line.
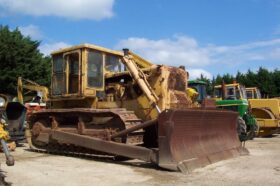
2 179
109 159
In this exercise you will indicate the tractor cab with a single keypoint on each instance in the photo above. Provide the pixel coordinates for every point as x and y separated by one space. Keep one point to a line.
233 91
232 97
200 88
253 93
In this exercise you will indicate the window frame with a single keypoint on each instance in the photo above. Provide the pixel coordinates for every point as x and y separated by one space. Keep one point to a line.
67 72
121 66
54 73
101 88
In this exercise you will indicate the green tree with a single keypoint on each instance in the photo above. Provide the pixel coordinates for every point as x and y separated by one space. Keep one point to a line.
228 78
20 56
251 79
218 80
276 82
263 80
240 78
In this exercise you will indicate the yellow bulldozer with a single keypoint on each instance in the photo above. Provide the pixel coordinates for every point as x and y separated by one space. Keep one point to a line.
113 103
266 111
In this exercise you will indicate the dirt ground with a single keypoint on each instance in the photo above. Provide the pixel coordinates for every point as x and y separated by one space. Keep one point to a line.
261 167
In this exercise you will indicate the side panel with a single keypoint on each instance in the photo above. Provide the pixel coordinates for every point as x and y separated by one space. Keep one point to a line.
271 104
240 106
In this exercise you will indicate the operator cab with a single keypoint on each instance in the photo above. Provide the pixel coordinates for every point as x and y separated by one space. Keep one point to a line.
253 93
233 92
80 71
200 88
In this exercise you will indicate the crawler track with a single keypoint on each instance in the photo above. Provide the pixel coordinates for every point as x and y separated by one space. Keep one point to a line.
81 121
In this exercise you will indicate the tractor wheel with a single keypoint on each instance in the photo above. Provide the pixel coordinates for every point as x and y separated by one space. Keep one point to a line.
241 129
252 132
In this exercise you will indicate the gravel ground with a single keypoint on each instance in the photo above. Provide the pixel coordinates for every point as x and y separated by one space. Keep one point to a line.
261 167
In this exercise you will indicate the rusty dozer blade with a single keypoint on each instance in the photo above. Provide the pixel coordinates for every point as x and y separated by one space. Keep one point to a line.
194 138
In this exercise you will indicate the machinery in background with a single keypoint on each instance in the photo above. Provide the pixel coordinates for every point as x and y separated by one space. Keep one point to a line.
233 97
200 88
202 98
253 93
17 111
266 111
6 144
14 114
36 101
106 102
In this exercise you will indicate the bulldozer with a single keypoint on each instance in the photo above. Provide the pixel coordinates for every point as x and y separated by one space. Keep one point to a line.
266 111
115 103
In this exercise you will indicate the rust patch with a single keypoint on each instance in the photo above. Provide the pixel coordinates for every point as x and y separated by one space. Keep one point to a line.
177 79
179 100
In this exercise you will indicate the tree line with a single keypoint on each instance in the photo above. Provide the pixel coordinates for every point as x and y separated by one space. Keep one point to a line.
20 56
267 81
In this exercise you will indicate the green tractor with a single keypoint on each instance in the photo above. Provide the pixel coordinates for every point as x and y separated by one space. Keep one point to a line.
230 97
233 97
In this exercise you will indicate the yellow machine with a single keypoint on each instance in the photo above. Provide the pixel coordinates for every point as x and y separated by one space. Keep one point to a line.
6 145
114 103
31 86
16 112
266 111
5 136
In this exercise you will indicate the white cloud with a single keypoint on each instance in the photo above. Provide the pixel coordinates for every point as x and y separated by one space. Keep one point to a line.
179 50
244 53
34 32
73 9
48 48
198 59
196 73
31 31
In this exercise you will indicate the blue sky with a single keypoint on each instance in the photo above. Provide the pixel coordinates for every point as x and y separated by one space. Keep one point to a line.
209 37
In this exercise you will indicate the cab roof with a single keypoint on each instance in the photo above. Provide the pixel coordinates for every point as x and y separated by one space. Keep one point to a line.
197 82
228 85
251 88
88 46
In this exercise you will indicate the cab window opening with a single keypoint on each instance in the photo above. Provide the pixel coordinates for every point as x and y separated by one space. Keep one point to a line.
95 69
58 82
113 63
73 62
